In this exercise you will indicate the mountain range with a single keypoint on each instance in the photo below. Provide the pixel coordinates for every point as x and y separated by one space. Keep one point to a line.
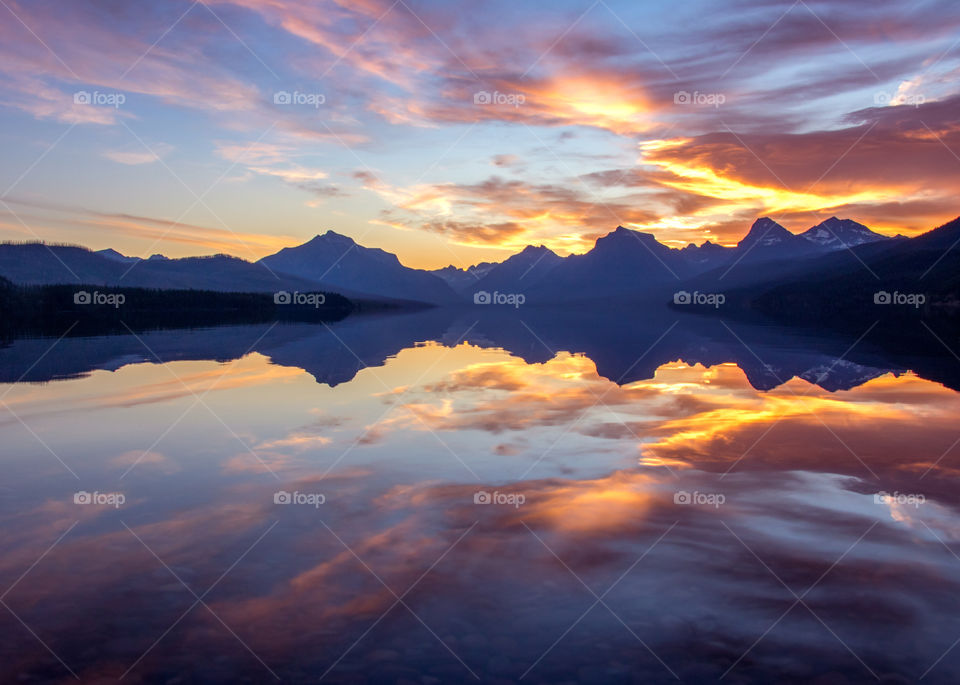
622 264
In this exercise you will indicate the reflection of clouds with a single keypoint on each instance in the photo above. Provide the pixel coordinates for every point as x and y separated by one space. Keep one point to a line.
278 454
505 449
297 441
698 596
512 396
95 559
301 592
699 575
605 504
143 383
260 461
150 459
703 418
929 520
893 425
691 414
289 449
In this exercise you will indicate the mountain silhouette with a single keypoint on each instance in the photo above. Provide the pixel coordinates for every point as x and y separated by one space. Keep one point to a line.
854 286
462 280
340 262
766 233
839 233
622 264
633 264
38 264
524 269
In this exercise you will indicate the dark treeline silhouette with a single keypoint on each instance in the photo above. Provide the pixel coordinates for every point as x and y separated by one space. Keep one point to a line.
91 310
906 286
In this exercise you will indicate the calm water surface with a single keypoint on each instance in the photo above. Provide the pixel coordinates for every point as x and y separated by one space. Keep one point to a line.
379 502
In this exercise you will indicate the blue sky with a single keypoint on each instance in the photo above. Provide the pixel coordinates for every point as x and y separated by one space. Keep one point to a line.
460 132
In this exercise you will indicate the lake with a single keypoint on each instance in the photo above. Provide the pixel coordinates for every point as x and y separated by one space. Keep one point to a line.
444 497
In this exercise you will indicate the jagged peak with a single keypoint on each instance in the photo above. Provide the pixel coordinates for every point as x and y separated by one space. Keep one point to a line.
622 232
767 230
333 236
835 221
833 231
765 223
536 250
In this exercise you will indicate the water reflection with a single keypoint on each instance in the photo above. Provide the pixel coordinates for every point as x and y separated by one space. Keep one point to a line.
622 349
696 512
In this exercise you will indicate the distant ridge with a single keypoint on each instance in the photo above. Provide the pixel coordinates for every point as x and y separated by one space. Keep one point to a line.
622 263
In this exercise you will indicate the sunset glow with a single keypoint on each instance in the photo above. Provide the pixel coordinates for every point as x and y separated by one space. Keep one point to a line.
457 137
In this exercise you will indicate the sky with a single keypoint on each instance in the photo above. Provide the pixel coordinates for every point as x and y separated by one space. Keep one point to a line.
460 132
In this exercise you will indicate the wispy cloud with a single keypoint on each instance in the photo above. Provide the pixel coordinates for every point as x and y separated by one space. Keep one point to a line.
711 121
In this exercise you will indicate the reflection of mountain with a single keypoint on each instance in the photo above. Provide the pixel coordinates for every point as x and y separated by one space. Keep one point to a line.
624 350
332 355
631 349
